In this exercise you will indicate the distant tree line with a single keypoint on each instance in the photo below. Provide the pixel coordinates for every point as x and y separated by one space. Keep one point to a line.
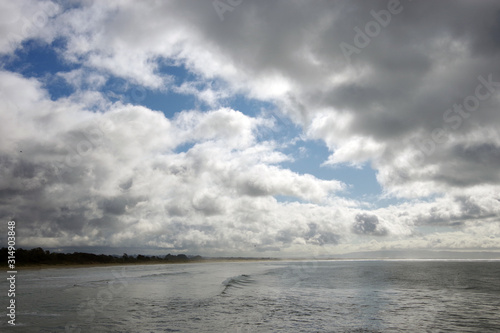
38 256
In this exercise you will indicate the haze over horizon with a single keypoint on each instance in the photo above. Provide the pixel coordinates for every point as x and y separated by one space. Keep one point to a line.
251 127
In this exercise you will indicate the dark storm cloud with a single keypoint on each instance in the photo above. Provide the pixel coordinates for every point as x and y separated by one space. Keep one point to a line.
396 89
366 224
468 164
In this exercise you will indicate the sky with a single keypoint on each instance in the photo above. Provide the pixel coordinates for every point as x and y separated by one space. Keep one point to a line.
251 127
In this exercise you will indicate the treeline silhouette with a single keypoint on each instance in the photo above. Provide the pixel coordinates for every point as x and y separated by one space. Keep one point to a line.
39 256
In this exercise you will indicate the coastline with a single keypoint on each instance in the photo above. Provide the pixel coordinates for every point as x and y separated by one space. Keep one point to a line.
88 265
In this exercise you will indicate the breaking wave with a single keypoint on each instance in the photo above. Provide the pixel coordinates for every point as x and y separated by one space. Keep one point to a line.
239 282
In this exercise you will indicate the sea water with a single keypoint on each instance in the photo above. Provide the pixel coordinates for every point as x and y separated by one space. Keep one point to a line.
266 296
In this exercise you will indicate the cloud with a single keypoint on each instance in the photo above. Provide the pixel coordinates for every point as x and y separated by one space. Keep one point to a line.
115 178
418 103
24 20
385 102
82 79
366 224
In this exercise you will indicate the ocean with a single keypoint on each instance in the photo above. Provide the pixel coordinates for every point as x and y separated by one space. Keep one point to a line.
265 296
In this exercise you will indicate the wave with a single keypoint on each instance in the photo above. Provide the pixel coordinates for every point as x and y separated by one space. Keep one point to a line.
238 282
39 314
164 274
106 281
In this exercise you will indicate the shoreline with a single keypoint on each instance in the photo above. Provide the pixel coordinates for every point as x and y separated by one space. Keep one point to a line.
92 265
226 260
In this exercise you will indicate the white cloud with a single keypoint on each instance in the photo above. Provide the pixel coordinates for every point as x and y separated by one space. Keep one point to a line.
23 20
80 78
118 176
114 177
